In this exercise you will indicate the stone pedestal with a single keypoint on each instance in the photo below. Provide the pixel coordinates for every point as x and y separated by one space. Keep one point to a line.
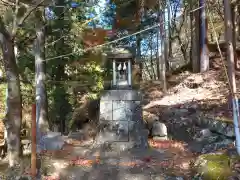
121 125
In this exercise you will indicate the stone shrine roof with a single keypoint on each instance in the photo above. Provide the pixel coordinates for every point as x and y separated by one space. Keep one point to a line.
121 54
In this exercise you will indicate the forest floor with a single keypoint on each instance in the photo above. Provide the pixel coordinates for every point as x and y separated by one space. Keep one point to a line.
198 115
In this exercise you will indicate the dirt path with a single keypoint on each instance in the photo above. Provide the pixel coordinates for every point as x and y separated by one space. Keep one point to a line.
153 163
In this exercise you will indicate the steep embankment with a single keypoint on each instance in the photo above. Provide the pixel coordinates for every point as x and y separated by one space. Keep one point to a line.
197 112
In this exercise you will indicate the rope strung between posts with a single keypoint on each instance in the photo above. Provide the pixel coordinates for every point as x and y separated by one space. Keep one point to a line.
219 50
114 41
88 21
178 48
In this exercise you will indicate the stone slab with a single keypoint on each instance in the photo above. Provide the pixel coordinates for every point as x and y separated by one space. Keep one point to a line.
124 95
114 131
121 125
106 110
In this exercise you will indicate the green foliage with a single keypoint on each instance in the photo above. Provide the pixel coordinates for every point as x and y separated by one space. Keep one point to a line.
28 94
63 36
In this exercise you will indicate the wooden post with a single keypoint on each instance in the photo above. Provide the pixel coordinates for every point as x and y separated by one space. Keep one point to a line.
204 59
34 144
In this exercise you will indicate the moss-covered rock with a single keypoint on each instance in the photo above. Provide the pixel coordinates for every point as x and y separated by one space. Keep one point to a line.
213 166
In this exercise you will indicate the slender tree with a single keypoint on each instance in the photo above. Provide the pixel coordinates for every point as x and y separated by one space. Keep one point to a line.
234 10
13 118
194 50
230 60
40 70
157 56
170 53
162 57
138 36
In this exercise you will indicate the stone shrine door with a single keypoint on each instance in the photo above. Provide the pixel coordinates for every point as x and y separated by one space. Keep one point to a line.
122 73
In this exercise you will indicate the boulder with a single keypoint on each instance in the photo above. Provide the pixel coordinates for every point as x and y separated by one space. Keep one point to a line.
159 129
203 134
224 144
51 141
213 166
76 135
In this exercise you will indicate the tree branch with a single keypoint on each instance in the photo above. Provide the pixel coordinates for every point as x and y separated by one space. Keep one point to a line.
5 3
27 14
3 30
14 29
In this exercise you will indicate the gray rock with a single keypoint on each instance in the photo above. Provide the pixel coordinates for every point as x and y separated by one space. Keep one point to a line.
229 131
174 178
76 135
216 125
215 146
203 134
159 129
51 141
180 111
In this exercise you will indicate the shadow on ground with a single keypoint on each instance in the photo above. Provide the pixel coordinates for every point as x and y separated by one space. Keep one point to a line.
141 164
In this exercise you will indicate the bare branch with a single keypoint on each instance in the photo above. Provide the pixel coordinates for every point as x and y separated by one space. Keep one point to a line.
3 30
27 14
5 3
14 29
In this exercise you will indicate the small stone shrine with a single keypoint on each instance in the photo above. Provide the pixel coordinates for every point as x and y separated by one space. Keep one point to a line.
121 125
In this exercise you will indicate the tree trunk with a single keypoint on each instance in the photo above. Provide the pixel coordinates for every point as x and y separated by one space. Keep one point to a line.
194 50
238 23
192 34
139 55
230 57
229 43
40 70
151 58
157 57
235 26
204 58
60 96
138 36
162 57
149 72
13 119
170 53
166 40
